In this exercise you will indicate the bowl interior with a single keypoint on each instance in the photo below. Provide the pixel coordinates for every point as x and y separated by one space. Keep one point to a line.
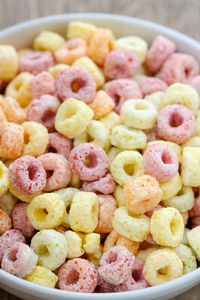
20 36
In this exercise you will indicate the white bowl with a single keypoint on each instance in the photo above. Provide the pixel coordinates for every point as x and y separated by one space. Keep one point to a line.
20 36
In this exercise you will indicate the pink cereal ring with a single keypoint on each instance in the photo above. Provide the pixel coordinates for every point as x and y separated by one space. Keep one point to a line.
121 90
159 52
70 51
135 281
150 240
195 83
60 144
121 63
195 211
160 162
194 222
36 62
61 171
98 161
152 211
150 85
175 123
43 111
19 260
104 185
179 67
107 206
76 82
21 221
27 175
152 134
103 286
9 238
78 275
42 84
116 264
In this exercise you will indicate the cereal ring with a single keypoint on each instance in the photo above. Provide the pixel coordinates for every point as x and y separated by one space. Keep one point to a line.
119 196
116 264
43 111
122 90
121 63
2 115
24 51
195 83
102 105
159 52
56 69
4 179
135 281
190 166
36 138
42 276
161 266
143 254
175 123
142 194
194 141
103 286
135 228
42 84
8 62
46 211
126 166
160 162
167 227
21 221
74 243
91 243
75 82
96 256
98 163
27 175
19 89
152 211
9 238
70 51
187 257
22 197
139 114
151 85
60 144
36 62
111 120
134 44
155 99
59 165
114 239
8 202
100 45
81 30
12 139
107 206
12 110
179 67
51 248
19 260
78 275
185 216
195 211
104 185
5 222
48 41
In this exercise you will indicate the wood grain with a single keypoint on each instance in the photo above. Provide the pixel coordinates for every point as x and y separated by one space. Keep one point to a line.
182 15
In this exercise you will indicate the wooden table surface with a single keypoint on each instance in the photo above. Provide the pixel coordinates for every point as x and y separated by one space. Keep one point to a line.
182 15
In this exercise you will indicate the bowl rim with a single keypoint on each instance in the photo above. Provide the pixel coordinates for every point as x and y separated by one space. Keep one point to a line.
160 290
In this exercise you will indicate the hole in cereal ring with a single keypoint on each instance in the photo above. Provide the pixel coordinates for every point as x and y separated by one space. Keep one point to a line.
180 193
166 157
32 170
52 150
175 120
90 138
77 84
90 161
26 138
68 209
49 173
129 169
116 99
48 115
18 85
163 271
40 214
72 277
140 106
136 274
43 250
173 227
112 258
12 255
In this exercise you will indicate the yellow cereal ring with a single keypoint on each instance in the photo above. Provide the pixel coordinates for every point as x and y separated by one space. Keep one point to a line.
56 69
4 178
7 202
190 166
119 196
143 254
46 211
48 41
73 117
111 120
91 243
81 30
187 257
156 99
171 187
8 62
42 276
74 244
23 198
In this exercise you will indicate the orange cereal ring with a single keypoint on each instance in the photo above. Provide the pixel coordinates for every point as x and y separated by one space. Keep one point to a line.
142 194
102 105
12 110
5 222
107 206
2 115
185 216
12 140
114 239
70 51
100 45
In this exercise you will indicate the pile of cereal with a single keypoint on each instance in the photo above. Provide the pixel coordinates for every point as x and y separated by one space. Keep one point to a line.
100 161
